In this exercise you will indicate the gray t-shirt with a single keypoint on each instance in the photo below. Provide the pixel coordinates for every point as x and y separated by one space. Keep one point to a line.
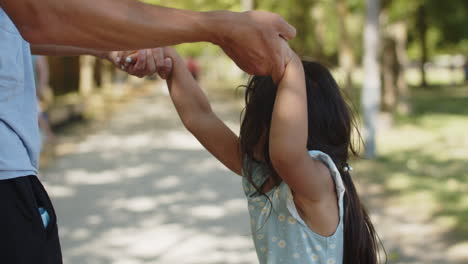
19 131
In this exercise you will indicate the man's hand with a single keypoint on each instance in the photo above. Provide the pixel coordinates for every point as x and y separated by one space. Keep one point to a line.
254 42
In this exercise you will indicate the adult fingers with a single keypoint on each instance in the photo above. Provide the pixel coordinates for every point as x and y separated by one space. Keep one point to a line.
166 70
286 30
278 69
280 60
158 54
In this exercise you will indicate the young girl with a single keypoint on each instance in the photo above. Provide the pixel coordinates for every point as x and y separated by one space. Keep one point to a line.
292 153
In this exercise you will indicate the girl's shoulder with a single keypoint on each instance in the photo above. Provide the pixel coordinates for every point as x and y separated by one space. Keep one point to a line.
334 172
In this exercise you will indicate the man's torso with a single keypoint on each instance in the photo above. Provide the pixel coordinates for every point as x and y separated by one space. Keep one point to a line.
19 132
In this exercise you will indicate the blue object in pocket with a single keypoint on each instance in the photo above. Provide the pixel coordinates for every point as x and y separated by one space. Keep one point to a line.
45 216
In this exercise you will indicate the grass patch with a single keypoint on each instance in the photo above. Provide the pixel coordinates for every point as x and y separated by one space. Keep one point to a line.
423 160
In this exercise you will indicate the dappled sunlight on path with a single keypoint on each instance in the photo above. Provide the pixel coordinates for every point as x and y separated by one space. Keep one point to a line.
142 190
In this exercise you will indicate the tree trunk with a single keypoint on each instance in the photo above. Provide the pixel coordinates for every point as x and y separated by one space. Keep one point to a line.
389 76
301 17
422 30
401 38
106 76
248 5
87 75
317 13
345 56
371 88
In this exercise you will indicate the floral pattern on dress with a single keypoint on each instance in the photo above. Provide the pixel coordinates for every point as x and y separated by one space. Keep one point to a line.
280 235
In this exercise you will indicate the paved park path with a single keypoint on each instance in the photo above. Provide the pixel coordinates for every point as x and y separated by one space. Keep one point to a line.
138 188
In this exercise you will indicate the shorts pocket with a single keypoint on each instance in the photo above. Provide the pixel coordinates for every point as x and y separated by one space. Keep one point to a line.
42 199
24 199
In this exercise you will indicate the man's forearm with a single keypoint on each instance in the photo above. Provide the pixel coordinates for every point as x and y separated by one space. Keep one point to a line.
110 24
57 50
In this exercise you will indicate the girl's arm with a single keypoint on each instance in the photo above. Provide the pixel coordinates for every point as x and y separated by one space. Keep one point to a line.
197 116
288 137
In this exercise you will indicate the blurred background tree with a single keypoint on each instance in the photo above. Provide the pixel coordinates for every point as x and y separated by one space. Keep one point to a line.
418 41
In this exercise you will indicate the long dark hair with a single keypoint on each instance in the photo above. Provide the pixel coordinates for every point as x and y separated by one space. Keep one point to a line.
330 130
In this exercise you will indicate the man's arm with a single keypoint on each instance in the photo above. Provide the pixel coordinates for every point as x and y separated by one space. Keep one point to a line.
251 39
57 50
105 24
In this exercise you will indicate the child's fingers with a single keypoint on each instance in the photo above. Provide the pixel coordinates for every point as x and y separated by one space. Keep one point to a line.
139 68
119 59
166 70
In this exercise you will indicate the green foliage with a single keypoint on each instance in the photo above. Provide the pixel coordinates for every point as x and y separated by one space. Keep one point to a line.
198 49
450 18
199 5
401 9
299 14
447 30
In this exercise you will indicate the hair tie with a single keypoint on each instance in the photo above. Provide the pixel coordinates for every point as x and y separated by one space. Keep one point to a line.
347 168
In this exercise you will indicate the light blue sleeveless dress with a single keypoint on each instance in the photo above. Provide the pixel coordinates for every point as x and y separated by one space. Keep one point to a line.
279 233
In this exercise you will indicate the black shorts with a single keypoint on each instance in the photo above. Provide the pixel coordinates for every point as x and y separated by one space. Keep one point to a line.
23 238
